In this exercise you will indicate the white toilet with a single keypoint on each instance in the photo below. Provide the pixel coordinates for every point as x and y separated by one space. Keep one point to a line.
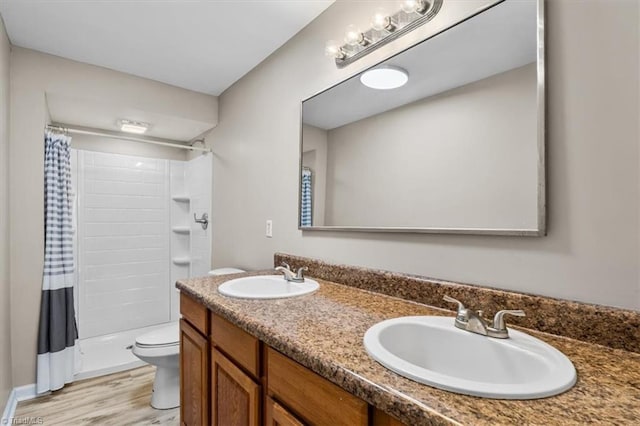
161 348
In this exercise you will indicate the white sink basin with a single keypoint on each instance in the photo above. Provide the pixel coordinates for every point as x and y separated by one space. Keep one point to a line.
267 287
431 350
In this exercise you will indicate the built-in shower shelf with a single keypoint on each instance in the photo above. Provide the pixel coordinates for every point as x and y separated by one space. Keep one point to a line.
181 198
181 229
181 260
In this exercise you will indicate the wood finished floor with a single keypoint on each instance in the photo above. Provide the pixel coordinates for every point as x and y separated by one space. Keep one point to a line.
118 399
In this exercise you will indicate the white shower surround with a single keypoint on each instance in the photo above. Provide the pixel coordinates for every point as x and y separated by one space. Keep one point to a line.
126 211
123 243
190 185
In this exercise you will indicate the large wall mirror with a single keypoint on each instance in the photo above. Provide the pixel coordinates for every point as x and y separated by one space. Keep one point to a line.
459 148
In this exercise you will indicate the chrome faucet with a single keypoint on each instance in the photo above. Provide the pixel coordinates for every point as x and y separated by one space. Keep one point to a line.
473 321
289 274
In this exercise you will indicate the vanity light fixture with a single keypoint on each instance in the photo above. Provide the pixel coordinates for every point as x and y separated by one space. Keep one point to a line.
131 126
385 27
385 78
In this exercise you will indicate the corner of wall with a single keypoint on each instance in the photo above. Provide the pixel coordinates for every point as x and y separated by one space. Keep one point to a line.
6 382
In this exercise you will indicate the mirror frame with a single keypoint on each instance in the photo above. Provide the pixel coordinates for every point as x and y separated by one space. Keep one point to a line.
541 229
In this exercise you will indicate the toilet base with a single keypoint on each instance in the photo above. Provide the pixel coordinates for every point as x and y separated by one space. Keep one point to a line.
166 388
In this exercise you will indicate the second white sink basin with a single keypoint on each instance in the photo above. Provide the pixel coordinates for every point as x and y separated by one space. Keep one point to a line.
266 287
431 350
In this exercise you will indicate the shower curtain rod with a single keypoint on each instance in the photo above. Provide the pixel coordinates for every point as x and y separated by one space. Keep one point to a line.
117 135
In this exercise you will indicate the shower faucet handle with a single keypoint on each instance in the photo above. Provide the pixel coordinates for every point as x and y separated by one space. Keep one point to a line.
204 220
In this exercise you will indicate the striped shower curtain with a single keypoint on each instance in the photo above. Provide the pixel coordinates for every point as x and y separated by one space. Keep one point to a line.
305 199
57 335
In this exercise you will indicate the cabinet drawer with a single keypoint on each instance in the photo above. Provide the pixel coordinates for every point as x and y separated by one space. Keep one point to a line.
239 345
311 397
195 312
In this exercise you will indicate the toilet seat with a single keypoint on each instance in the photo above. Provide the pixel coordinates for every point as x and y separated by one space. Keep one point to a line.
162 337
157 354
159 347
164 345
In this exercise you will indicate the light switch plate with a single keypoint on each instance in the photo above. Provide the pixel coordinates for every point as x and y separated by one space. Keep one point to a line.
269 228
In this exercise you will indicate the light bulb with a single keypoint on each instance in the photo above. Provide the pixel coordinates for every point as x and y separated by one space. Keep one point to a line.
381 20
332 49
410 6
353 35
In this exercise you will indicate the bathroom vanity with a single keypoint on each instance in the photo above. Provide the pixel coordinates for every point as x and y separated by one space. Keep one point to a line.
302 360
231 378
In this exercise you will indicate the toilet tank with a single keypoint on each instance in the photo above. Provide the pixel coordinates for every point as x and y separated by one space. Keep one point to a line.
175 307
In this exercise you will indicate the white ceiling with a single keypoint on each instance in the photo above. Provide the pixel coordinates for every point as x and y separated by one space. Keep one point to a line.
497 40
199 45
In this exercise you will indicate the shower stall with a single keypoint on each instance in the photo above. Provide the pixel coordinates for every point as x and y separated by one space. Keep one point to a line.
136 234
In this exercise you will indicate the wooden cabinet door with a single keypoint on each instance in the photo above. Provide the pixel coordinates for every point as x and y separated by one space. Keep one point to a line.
235 397
277 415
194 376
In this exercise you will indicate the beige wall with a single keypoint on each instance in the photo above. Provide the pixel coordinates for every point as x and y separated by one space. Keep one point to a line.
5 330
466 158
591 253
32 75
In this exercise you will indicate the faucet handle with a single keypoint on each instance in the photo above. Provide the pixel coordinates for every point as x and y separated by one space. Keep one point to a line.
286 265
463 313
498 319
301 270
452 300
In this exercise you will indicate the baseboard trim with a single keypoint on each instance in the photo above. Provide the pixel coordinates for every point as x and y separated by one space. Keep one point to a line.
26 392
10 408
20 393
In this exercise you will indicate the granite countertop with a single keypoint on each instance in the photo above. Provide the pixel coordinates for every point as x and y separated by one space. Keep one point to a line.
324 331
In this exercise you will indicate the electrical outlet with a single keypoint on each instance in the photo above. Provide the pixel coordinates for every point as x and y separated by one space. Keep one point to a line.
269 228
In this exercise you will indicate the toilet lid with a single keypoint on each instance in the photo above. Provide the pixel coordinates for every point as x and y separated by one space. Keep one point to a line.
225 271
169 335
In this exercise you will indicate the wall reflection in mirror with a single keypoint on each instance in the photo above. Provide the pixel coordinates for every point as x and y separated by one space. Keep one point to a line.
458 146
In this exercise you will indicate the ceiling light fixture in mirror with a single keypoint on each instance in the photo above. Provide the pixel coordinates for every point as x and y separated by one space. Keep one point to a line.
385 78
